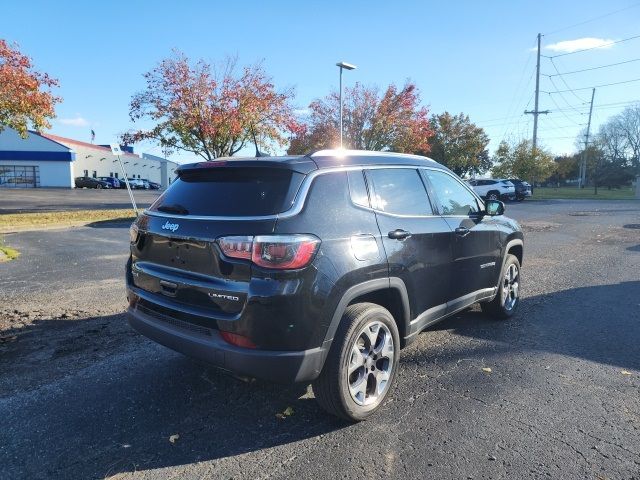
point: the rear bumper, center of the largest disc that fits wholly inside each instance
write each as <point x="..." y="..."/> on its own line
<point x="276" y="366"/>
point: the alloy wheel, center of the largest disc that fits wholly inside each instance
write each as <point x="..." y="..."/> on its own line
<point x="511" y="286"/>
<point x="370" y="363"/>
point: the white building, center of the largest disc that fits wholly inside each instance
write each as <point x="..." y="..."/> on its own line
<point x="33" y="162"/>
<point x="46" y="160"/>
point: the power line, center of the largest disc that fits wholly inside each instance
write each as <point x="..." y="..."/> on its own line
<point x="596" y="86"/>
<point x="608" y="44"/>
<point x="555" y="67"/>
<point x="602" y="105"/>
<point x="514" y="102"/>
<point x="589" y="69"/>
<point x="562" y="96"/>
<point x="561" y="111"/>
<point x="593" y="19"/>
<point x="560" y="138"/>
<point x="562" y="127"/>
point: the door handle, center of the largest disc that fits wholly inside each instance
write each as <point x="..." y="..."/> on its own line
<point x="462" y="231"/>
<point x="399" y="234"/>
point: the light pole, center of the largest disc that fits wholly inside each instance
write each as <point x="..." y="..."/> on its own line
<point x="343" y="66"/>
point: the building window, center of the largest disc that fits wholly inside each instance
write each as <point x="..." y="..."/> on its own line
<point x="116" y="174"/>
<point x="86" y="173"/>
<point x="95" y="174"/>
<point x="17" y="176"/>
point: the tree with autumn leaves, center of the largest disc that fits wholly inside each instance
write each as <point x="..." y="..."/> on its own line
<point x="26" y="100"/>
<point x="391" y="121"/>
<point x="211" y="111"/>
<point x="459" y="144"/>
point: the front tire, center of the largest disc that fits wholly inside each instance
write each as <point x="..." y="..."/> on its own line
<point x="361" y="366"/>
<point x="493" y="195"/>
<point x="506" y="301"/>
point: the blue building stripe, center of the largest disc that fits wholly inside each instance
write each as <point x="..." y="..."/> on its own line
<point x="25" y="155"/>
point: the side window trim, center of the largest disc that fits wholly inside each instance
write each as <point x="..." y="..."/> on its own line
<point x="431" y="190"/>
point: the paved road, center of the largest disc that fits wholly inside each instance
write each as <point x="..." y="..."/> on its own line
<point x="81" y="396"/>
<point x="53" y="199"/>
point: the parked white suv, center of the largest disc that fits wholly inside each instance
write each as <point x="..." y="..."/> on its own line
<point x="494" y="188"/>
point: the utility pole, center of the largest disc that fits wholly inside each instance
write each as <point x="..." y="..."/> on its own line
<point x="535" y="112"/>
<point x="583" y="169"/>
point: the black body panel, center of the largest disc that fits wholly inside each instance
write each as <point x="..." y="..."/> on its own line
<point x="184" y="292"/>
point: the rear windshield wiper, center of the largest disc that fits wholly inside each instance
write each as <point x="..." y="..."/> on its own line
<point x="176" y="208"/>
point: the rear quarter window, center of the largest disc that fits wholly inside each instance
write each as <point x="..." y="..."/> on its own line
<point x="230" y="191"/>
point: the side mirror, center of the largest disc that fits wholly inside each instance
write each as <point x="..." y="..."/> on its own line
<point x="494" y="207"/>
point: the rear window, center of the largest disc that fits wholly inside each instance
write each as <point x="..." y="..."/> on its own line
<point x="230" y="191"/>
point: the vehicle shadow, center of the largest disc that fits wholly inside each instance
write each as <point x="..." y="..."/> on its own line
<point x="598" y="323"/>
<point x="116" y="223"/>
<point x="114" y="412"/>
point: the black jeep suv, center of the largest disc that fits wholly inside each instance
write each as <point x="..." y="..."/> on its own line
<point x="317" y="268"/>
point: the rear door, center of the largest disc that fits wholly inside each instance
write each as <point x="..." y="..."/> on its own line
<point x="415" y="239"/>
<point x="175" y="257"/>
<point x="474" y="235"/>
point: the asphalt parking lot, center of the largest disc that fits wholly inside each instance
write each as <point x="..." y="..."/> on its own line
<point x="82" y="396"/>
<point x="53" y="199"/>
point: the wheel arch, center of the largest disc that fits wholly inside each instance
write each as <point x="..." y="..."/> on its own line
<point x="515" y="247"/>
<point x="389" y="293"/>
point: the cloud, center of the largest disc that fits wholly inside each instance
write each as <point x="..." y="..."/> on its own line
<point x="78" y="121"/>
<point x="302" y="112"/>
<point x="569" y="46"/>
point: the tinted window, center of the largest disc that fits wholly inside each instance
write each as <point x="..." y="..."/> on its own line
<point x="357" y="188"/>
<point x="399" y="191"/>
<point x="452" y="197"/>
<point x="230" y="191"/>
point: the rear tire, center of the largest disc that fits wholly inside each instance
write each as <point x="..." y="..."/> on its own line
<point x="98" y="186"/>
<point x="361" y="366"/>
<point x="493" y="195"/>
<point x="507" y="299"/>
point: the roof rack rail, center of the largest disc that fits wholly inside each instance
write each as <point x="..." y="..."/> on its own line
<point x="343" y="152"/>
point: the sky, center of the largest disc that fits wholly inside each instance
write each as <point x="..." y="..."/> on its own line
<point x="476" y="57"/>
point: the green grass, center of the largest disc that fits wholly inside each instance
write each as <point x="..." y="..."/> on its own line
<point x="7" y="253"/>
<point x="547" y="193"/>
<point x="11" y="222"/>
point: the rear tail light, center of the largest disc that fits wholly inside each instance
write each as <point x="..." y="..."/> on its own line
<point x="237" y="340"/>
<point x="236" y="247"/>
<point x="280" y="252"/>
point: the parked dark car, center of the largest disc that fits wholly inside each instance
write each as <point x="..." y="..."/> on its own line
<point x="317" y="268"/>
<point x="90" y="182"/>
<point x="523" y="189"/>
<point x="134" y="183"/>
<point x="114" y="182"/>
<point x="152" y="185"/>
